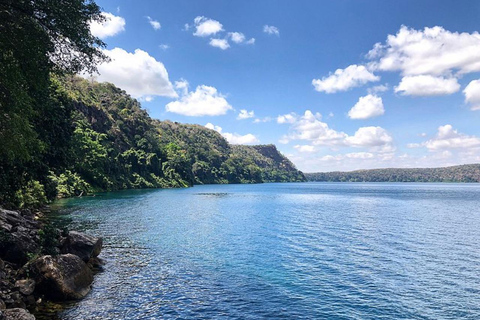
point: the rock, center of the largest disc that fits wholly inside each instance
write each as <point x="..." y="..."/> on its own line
<point x="26" y="287"/>
<point x="16" y="239"/>
<point x="2" y="305"/>
<point x="17" y="314"/>
<point x="63" y="277"/>
<point x="82" y="245"/>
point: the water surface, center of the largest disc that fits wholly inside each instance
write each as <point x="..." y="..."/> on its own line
<point x="284" y="251"/>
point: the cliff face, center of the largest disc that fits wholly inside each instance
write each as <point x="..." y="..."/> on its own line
<point x="116" y="145"/>
<point x="214" y="160"/>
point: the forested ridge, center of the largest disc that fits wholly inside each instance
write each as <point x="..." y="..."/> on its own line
<point x="100" y="139"/>
<point x="462" y="173"/>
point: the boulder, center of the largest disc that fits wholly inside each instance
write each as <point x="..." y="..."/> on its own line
<point x="16" y="239"/>
<point x="17" y="314"/>
<point x="82" y="245"/>
<point x="26" y="287"/>
<point x="63" y="277"/>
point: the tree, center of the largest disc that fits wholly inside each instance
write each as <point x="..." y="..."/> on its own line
<point x="37" y="38"/>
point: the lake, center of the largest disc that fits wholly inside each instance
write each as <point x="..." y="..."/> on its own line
<point x="283" y="251"/>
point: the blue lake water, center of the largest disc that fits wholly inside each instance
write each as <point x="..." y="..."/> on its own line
<point x="284" y="251"/>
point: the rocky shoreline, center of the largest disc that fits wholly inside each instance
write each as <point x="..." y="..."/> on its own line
<point x="39" y="263"/>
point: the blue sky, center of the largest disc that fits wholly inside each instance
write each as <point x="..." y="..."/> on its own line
<point x="336" y="85"/>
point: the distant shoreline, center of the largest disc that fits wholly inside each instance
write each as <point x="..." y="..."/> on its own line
<point x="469" y="173"/>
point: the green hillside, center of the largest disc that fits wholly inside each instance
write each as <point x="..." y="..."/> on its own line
<point x="463" y="173"/>
<point x="100" y="139"/>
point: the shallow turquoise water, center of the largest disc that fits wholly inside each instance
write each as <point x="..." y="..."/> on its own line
<point x="284" y="251"/>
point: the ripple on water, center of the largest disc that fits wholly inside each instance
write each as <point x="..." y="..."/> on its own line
<point x="283" y="251"/>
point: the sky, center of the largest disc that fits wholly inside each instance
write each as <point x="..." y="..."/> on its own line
<point x="335" y="85"/>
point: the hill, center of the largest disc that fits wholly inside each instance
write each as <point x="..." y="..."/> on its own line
<point x="97" y="138"/>
<point x="462" y="173"/>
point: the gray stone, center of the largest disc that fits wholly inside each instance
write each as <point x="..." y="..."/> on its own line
<point x="82" y="245"/>
<point x="26" y="287"/>
<point x="63" y="277"/>
<point x="17" y="314"/>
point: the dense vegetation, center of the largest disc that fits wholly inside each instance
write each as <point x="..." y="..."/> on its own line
<point x="60" y="135"/>
<point x="101" y="139"/>
<point x="213" y="160"/>
<point x="463" y="173"/>
<point x="38" y="40"/>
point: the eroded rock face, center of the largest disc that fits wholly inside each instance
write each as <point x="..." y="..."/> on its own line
<point x="18" y="236"/>
<point x="17" y="314"/>
<point x="82" y="245"/>
<point x="63" y="277"/>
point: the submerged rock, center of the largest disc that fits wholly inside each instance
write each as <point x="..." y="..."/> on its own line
<point x="63" y="277"/>
<point x="17" y="314"/>
<point x="82" y="245"/>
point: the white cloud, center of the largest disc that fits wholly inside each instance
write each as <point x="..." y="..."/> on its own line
<point x="305" y="148"/>
<point x="426" y="85"/>
<point x="251" y="41"/>
<point x="164" y="46"/>
<point x="378" y="89"/>
<point x="359" y="155"/>
<point x="309" y="127"/>
<point x="344" y="79"/>
<point x="244" y="114"/>
<point x="472" y="94"/>
<point x="138" y="73"/>
<point x="206" y="27"/>
<point x="234" y="138"/>
<point x="367" y="107"/>
<point x="262" y="120"/>
<point x="370" y="137"/>
<point x="449" y="138"/>
<point x="237" y="37"/>
<point x="182" y="85"/>
<point x="155" y="24"/>
<point x="414" y="145"/>
<point x="111" y="26"/>
<point x="431" y="51"/>
<point x="287" y="118"/>
<point x="271" y="30"/>
<point x="220" y="43"/>
<point x="204" y="101"/>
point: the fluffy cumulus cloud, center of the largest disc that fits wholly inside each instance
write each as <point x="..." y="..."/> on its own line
<point x="237" y="37"/>
<point x="448" y="138"/>
<point x="287" y="118"/>
<point x="204" y="101"/>
<point x="378" y="89"/>
<point x="431" y="51"/>
<point x="271" y="30"/>
<point x="220" y="43"/>
<point x="472" y="94"/>
<point x="244" y="114"/>
<point x="344" y="79"/>
<point x="370" y="137"/>
<point x="305" y="148"/>
<point x="367" y="107"/>
<point x="310" y="127"/>
<point x="205" y="27"/>
<point x="234" y="138"/>
<point x="154" y="23"/>
<point x="111" y="26"/>
<point x="427" y="85"/>
<point x="138" y="73"/>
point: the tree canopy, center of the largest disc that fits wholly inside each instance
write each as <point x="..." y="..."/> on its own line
<point x="38" y="38"/>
